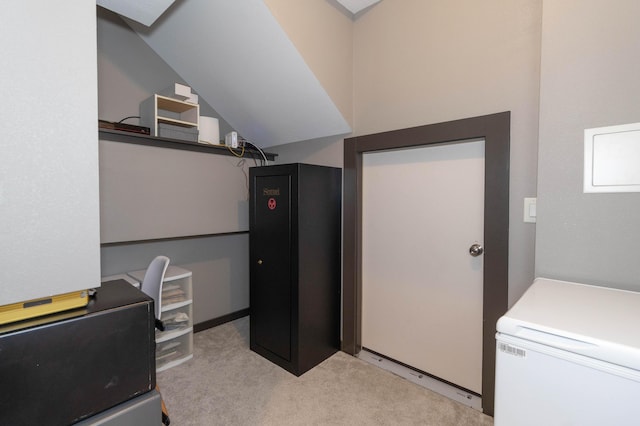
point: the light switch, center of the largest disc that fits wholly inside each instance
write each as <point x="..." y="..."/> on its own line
<point x="530" y="212"/>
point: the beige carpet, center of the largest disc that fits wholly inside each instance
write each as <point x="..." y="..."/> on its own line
<point x="227" y="384"/>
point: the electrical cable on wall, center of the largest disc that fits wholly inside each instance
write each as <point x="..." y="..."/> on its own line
<point x="131" y="116"/>
<point x="246" y="142"/>
<point x="241" y="164"/>
<point x="255" y="159"/>
<point x="243" y="143"/>
<point x="236" y="154"/>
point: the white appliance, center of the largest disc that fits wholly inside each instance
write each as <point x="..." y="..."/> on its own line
<point x="569" y="354"/>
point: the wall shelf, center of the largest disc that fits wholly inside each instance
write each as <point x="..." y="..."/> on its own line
<point x="186" y="237"/>
<point x="134" y="138"/>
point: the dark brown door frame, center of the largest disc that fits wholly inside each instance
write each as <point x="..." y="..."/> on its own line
<point x="495" y="130"/>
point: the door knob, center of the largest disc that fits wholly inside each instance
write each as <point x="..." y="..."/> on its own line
<point x="259" y="261"/>
<point x="476" y="250"/>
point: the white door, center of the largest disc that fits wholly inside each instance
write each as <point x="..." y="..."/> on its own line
<point x="423" y="208"/>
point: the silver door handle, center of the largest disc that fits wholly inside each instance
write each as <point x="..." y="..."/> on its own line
<point x="476" y="250"/>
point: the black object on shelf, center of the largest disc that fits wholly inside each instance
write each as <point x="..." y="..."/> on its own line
<point x="63" y="368"/>
<point x="123" y="127"/>
<point x="294" y="238"/>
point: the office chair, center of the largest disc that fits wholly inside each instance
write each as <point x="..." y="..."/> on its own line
<point x="152" y="285"/>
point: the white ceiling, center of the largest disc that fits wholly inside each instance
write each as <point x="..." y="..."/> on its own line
<point x="235" y="55"/>
<point x="355" y="6"/>
<point x="144" y="11"/>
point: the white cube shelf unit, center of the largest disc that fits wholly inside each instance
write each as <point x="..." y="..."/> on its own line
<point x="159" y="109"/>
<point x="174" y="345"/>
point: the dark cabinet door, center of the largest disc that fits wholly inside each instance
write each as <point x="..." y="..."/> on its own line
<point x="294" y="244"/>
<point x="271" y="280"/>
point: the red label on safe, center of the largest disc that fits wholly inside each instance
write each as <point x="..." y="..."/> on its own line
<point x="271" y="203"/>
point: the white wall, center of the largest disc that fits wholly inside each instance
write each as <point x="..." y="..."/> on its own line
<point x="590" y="69"/>
<point x="418" y="62"/>
<point x="49" y="228"/>
<point x="322" y="32"/>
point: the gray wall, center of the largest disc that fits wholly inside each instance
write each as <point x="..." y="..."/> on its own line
<point x="128" y="72"/>
<point x="219" y="265"/>
<point x="325" y="152"/>
<point x="49" y="229"/>
<point x="590" y="69"/>
<point x="150" y="192"/>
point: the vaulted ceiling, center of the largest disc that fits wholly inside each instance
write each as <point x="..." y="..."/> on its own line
<point x="235" y="55"/>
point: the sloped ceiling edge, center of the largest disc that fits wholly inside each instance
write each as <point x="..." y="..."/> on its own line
<point x="144" y="11"/>
<point x="235" y="55"/>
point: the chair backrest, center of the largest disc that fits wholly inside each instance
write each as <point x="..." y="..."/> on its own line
<point x="152" y="281"/>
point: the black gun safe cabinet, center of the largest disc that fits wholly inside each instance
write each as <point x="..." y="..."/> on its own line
<point x="294" y="240"/>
